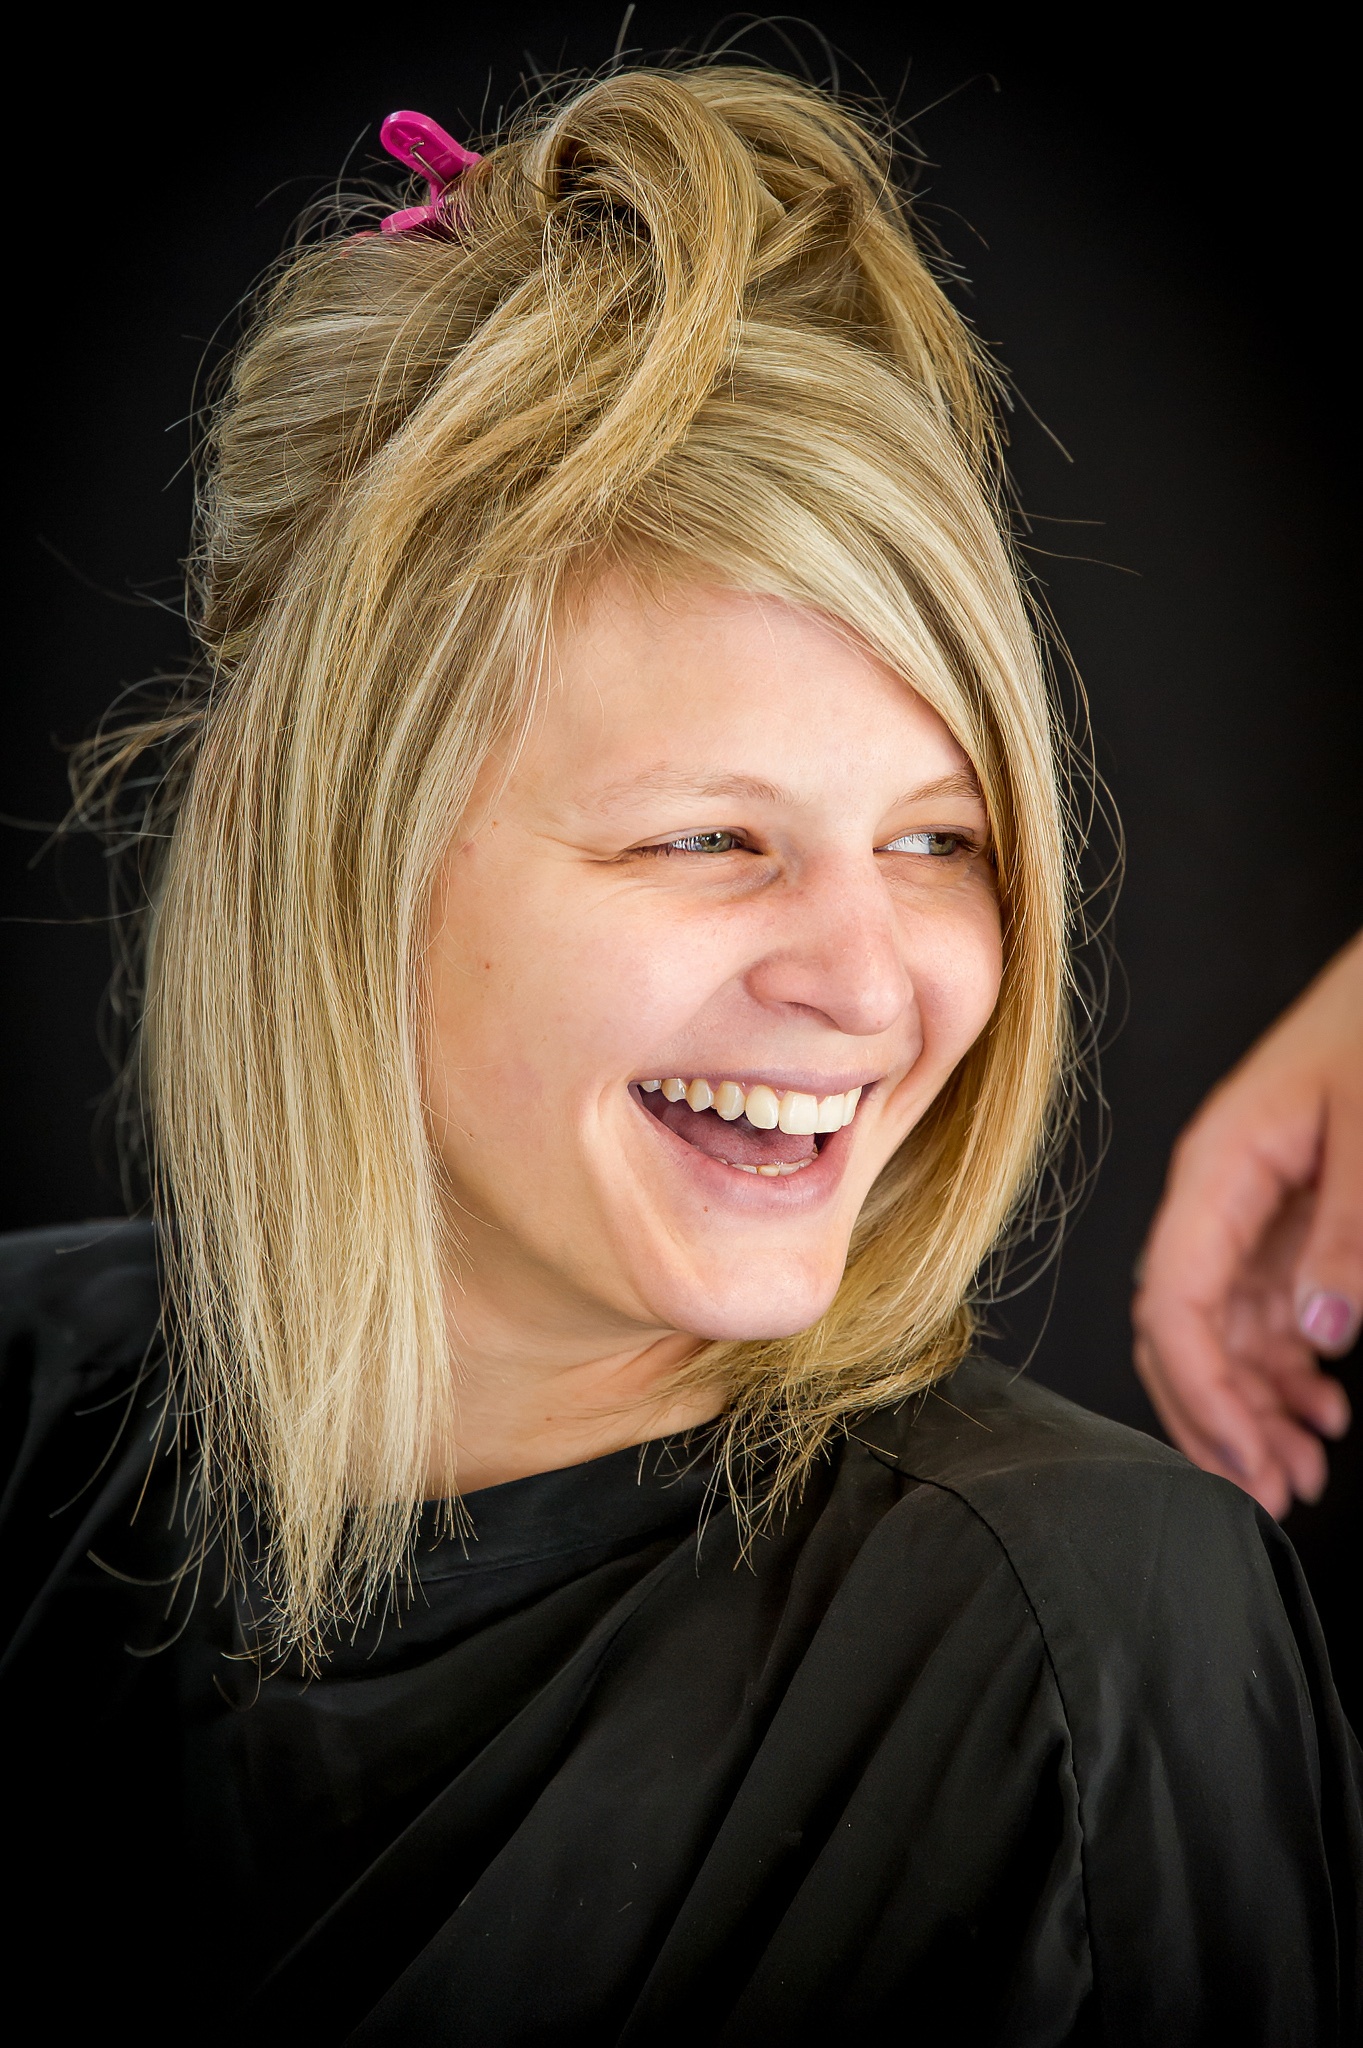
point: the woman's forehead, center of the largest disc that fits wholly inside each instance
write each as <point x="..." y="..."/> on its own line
<point x="722" y="686"/>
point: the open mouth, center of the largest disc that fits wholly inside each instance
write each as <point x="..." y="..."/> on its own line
<point x="759" y="1129"/>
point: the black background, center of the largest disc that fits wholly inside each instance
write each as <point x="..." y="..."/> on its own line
<point x="1155" y="229"/>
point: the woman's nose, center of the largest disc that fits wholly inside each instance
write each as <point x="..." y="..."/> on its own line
<point x="835" y="946"/>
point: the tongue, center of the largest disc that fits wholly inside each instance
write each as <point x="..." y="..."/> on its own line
<point x="740" y="1142"/>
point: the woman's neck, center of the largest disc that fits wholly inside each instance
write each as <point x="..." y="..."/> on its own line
<point x="536" y="1399"/>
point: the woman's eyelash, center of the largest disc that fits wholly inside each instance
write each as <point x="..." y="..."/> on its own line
<point x="938" y="845"/>
<point x="698" y="842"/>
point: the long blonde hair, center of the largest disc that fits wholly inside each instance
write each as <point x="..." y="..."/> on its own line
<point x="677" y="321"/>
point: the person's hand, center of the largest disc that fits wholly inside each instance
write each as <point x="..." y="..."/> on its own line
<point x="1253" y="1269"/>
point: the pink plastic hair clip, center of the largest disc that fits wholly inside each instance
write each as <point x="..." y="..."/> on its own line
<point x="422" y="144"/>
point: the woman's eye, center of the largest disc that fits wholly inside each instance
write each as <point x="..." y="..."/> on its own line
<point x="937" y="843"/>
<point x="699" y="842"/>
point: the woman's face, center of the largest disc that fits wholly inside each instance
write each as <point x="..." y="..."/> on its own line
<point x="736" y="855"/>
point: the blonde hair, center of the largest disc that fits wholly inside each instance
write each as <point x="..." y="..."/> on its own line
<point x="678" y="322"/>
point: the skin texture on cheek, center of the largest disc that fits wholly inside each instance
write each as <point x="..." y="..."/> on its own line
<point x="687" y="874"/>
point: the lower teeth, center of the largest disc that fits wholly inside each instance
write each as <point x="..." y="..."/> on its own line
<point x="771" y="1172"/>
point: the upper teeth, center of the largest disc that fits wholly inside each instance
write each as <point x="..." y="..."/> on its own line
<point x="762" y="1106"/>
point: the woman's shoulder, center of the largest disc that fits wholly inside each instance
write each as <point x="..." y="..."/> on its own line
<point x="84" y="1288"/>
<point x="1163" y="1595"/>
<point x="83" y="1400"/>
<point x="1035" y="1465"/>
<point x="1132" y="1560"/>
<point x="1211" y="1759"/>
<point x="79" y="1317"/>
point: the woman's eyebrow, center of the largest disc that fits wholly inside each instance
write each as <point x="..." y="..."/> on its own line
<point x="669" y="783"/>
<point x="963" y="782"/>
<point x="666" y="782"/>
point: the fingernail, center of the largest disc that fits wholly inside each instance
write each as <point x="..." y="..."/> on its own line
<point x="1233" y="1459"/>
<point x="1337" y="1418"/>
<point x="1326" y="1321"/>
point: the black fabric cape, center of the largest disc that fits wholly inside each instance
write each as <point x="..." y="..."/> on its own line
<point x="1017" y="1729"/>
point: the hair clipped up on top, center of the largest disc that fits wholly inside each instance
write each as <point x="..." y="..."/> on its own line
<point x="606" y="259"/>
<point x="676" y="322"/>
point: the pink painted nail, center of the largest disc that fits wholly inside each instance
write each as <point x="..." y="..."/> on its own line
<point x="1327" y="1321"/>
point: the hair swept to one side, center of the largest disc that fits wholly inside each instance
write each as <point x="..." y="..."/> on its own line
<point x="676" y="320"/>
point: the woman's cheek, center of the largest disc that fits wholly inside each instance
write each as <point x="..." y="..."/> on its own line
<point x="542" y="994"/>
<point x="640" y="972"/>
<point x="957" y="968"/>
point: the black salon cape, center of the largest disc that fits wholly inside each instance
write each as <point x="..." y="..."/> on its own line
<point x="1017" y="1730"/>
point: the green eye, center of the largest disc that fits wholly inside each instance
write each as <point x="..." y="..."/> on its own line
<point x="938" y="844"/>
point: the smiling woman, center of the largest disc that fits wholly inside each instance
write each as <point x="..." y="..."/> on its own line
<point x="661" y="455"/>
<point x="659" y="950"/>
<point x="606" y="995"/>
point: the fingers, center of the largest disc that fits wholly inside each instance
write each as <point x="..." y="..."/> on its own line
<point x="1299" y="1456"/>
<point x="1329" y="1280"/>
<point x="1239" y="1421"/>
<point x="1251" y="1413"/>
<point x="1262" y="1474"/>
<point x="1221" y="1199"/>
<point x="1254" y="1264"/>
<point x="1316" y="1398"/>
<point x="1278" y="1369"/>
<point x="1254" y="1416"/>
<point x="1194" y="1389"/>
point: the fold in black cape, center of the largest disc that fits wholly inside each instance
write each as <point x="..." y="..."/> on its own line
<point x="1017" y="1729"/>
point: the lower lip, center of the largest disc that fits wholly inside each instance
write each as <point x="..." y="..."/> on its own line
<point x="786" y="1193"/>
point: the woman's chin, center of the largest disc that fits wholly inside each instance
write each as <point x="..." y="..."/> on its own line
<point x="750" y="1308"/>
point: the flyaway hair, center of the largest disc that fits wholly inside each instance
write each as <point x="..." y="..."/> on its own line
<point x="676" y="323"/>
